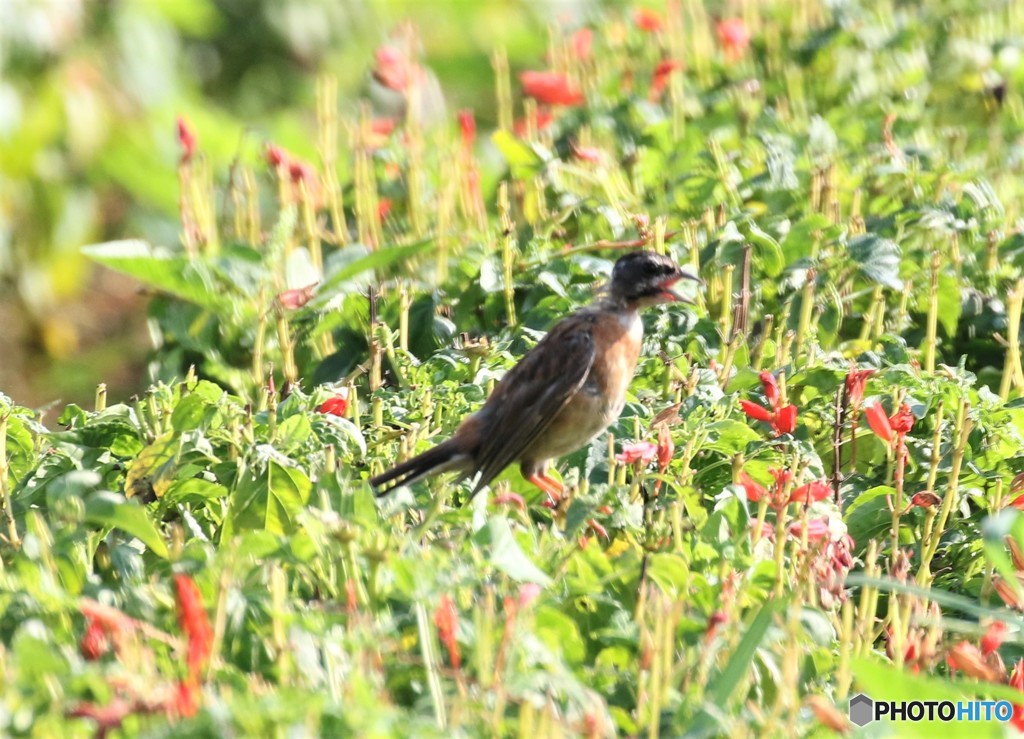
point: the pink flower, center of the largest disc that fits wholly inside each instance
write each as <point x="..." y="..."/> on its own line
<point x="641" y="451"/>
<point x="392" y="69"/>
<point x="528" y="593"/>
<point x="550" y="88"/>
<point x="587" y="154"/>
<point x="817" y="529"/>
<point x="582" y="42"/>
<point x="666" y="447"/>
<point x="186" y="139"/>
<point x="296" y="298"/>
<point x="734" y="37"/>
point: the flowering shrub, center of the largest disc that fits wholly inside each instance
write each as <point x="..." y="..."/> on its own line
<point x="738" y="555"/>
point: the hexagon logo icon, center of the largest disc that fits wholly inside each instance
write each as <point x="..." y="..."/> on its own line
<point x="862" y="710"/>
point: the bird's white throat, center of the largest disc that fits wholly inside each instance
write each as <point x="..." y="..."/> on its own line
<point x="631" y="321"/>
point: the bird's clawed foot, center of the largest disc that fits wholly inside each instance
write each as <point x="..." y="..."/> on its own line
<point x="549" y="485"/>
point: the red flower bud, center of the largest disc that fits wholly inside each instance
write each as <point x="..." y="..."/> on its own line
<point x="647" y="20"/>
<point x="186" y="139"/>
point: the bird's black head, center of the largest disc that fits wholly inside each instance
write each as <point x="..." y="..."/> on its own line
<point x="646" y="278"/>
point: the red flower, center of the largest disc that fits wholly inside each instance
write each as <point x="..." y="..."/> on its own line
<point x="94" y="642"/>
<point x="659" y="81"/>
<point x="1018" y="503"/>
<point x="186" y="139"/>
<point x="383" y="126"/>
<point x="925" y="499"/>
<point x="446" y="619"/>
<point x="582" y="42"/>
<point x="734" y="37"/>
<point x="300" y="171"/>
<point x="856" y="381"/>
<point x="993" y="637"/>
<point x="467" y="128"/>
<point x="1017" y="676"/>
<point x="551" y="88"/>
<point x="194" y="624"/>
<point x="383" y="208"/>
<point x="889" y="428"/>
<point x="902" y="420"/>
<point x="755" y="491"/>
<point x="275" y="156"/>
<point x="785" y="420"/>
<point x="782" y="418"/>
<point x="647" y="20"/>
<point x="813" y="491"/>
<point x="544" y="119"/>
<point x="336" y="405"/>
<point x="184" y="702"/>
<point x="966" y="657"/>
<point x="755" y="411"/>
<point x="717" y="619"/>
<point x="641" y="451"/>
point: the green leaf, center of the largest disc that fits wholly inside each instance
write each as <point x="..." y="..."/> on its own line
<point x="730" y="437"/>
<point x="269" y="499"/>
<point x="949" y="303"/>
<point x="191" y="280"/>
<point x="877" y="259"/>
<point x="385" y="257"/>
<point x="523" y="160"/>
<point x="110" y="509"/>
<point x="505" y="554"/>
<point x="767" y="253"/>
<point x="722" y="687"/>
<point x="799" y="242"/>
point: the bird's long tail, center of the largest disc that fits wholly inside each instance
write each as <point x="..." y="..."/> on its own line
<point x="445" y="456"/>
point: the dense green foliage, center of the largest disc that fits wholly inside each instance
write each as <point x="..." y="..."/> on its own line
<point x="813" y="490"/>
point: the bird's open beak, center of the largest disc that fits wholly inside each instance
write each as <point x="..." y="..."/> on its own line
<point x="672" y="295"/>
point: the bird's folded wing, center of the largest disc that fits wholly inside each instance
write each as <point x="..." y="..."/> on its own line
<point x="529" y="397"/>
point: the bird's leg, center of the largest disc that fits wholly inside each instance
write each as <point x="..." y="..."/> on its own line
<point x="549" y="485"/>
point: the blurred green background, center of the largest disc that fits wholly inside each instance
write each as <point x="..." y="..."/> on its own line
<point x="89" y="94"/>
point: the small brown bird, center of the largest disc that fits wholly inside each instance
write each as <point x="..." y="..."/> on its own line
<point x="562" y="393"/>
